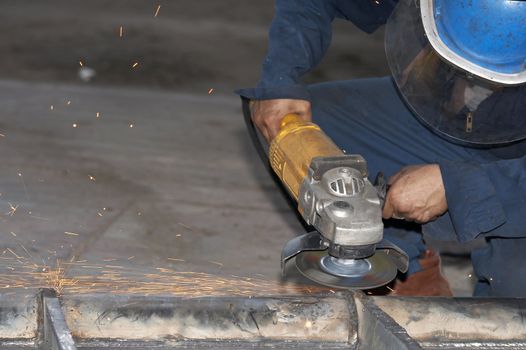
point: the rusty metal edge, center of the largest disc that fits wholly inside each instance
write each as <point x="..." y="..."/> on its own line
<point x="375" y="325"/>
<point x="202" y="344"/>
<point x="485" y="345"/>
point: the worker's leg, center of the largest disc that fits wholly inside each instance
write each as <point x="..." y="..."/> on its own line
<point x="500" y="268"/>
<point x="368" y="117"/>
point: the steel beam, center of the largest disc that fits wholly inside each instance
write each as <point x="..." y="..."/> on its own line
<point x="55" y="334"/>
<point x="336" y="321"/>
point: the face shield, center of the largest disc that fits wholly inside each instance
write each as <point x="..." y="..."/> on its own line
<point x="454" y="103"/>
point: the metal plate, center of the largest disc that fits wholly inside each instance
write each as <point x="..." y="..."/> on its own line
<point x="372" y="272"/>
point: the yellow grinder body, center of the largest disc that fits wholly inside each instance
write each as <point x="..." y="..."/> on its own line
<point x="292" y="150"/>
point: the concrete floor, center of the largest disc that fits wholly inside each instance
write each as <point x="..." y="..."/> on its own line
<point x="182" y="183"/>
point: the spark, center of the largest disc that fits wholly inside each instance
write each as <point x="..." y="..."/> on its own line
<point x="24" y="185"/>
<point x="68" y="102"/>
<point x="75" y="125"/>
<point x="308" y="324"/>
<point x="81" y="64"/>
<point x="2" y="135"/>
<point x="12" y="233"/>
<point x="131" y="257"/>
<point x="121" y="31"/>
<point x="216" y="263"/>
<point x="131" y="125"/>
<point x="52" y="107"/>
<point x="92" y="178"/>
<point x="391" y="289"/>
<point x="174" y="259"/>
<point x="185" y="226"/>
<point x="99" y="214"/>
<point x="97" y="114"/>
<point x="135" y="65"/>
<point x="71" y="233"/>
<point x="16" y="255"/>
<point x="210" y="91"/>
<point x="39" y="218"/>
<point x="12" y="209"/>
<point x="157" y="11"/>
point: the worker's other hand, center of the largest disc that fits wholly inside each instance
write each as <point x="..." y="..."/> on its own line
<point x="267" y="114"/>
<point x="416" y="194"/>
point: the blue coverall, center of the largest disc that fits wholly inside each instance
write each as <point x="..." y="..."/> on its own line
<point x="485" y="188"/>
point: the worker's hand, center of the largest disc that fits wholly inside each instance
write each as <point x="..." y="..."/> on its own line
<point x="267" y="114"/>
<point x="416" y="194"/>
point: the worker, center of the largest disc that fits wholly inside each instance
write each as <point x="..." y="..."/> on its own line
<point x="447" y="127"/>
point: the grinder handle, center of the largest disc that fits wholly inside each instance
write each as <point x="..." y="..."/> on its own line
<point x="291" y="152"/>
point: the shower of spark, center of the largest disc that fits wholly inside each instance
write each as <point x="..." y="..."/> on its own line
<point x="21" y="271"/>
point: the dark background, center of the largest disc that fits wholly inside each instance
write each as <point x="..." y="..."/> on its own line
<point x="190" y="46"/>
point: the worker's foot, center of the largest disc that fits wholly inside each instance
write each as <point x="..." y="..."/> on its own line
<point x="428" y="282"/>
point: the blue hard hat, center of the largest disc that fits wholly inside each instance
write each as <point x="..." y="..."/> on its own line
<point x="486" y="38"/>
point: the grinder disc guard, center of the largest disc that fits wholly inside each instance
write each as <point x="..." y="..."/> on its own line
<point x="374" y="271"/>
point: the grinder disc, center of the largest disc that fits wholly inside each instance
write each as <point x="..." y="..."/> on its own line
<point x="374" y="271"/>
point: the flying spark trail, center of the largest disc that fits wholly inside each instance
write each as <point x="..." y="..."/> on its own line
<point x="82" y="277"/>
<point x="121" y="31"/>
<point x="24" y="185"/>
<point x="157" y="11"/>
<point x="216" y="263"/>
<point x="12" y="209"/>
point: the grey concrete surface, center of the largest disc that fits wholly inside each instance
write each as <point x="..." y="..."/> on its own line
<point x="182" y="183"/>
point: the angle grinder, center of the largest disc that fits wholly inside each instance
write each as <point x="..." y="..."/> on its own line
<point x="345" y="248"/>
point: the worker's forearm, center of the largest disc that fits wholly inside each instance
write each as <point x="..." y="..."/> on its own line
<point x="299" y="36"/>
